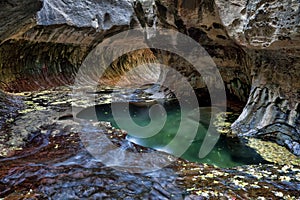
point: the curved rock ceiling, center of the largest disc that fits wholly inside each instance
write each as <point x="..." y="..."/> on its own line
<point x="255" y="45"/>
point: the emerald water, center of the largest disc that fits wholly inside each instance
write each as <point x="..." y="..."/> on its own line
<point x="226" y="153"/>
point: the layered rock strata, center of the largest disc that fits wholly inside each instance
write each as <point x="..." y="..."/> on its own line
<point x="255" y="45"/>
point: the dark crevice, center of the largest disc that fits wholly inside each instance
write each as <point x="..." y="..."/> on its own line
<point x="139" y="11"/>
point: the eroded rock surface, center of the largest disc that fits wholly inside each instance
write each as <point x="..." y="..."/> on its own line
<point x="101" y="15"/>
<point x="17" y="16"/>
<point x="8" y="108"/>
<point x="253" y="43"/>
<point x="261" y="23"/>
<point x="56" y="40"/>
<point x="53" y="163"/>
<point x="269" y="32"/>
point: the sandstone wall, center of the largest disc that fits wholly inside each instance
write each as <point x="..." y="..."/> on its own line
<point x="255" y="45"/>
<point x="269" y="32"/>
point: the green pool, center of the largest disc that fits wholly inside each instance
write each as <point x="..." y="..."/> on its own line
<point x="226" y="153"/>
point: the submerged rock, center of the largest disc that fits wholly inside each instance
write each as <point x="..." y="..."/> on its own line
<point x="52" y="49"/>
<point x="55" y="164"/>
<point x="255" y="44"/>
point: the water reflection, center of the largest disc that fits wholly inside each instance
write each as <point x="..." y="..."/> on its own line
<point x="224" y="154"/>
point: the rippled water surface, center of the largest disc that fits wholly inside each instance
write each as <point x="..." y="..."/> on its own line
<point x="221" y="155"/>
<point x="53" y="162"/>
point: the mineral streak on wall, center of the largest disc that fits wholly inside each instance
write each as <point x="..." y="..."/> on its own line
<point x="255" y="45"/>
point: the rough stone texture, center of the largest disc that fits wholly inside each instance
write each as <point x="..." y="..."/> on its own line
<point x="269" y="33"/>
<point x="37" y="65"/>
<point x="252" y="43"/>
<point x="8" y="107"/>
<point x="54" y="164"/>
<point x="101" y="15"/>
<point x="69" y="44"/>
<point x="16" y="15"/>
<point x="261" y="23"/>
<point x="200" y="21"/>
<point x="51" y="49"/>
<point x="272" y="110"/>
<point x="47" y="56"/>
